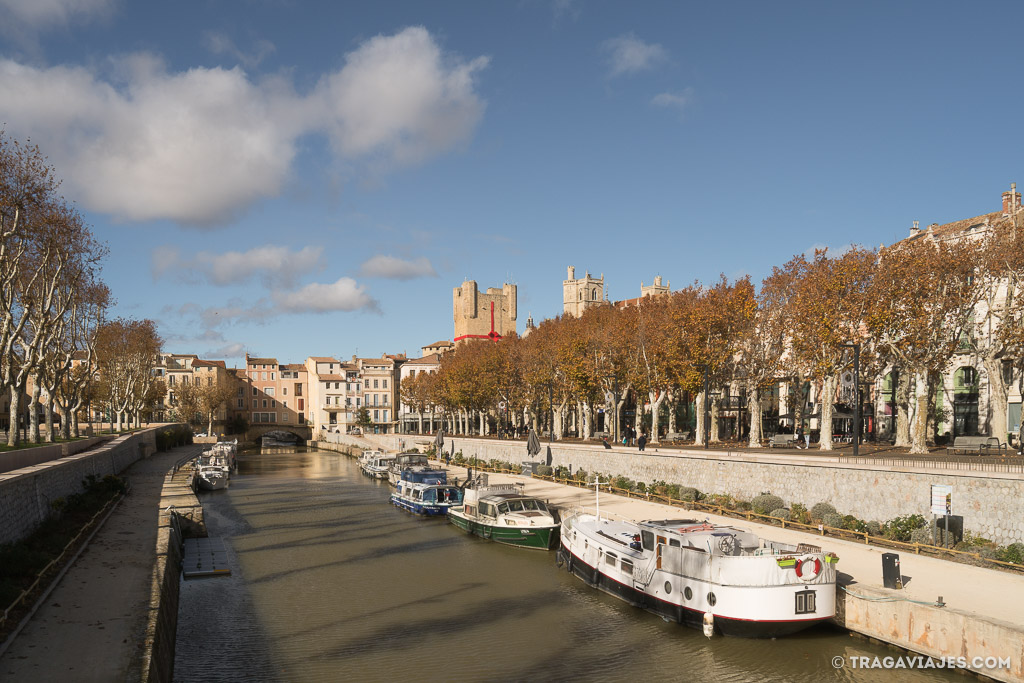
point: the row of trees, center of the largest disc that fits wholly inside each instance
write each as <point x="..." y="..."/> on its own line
<point x="54" y="335"/>
<point x="910" y="308"/>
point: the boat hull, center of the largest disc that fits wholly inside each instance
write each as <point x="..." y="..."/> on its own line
<point x="693" y="618"/>
<point x="426" y="509"/>
<point x="539" y="537"/>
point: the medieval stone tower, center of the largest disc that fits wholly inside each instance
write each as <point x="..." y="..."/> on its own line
<point x="579" y="295"/>
<point x="490" y="315"/>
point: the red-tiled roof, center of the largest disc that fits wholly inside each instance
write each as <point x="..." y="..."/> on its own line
<point x="330" y="378"/>
<point x="293" y="366"/>
<point x="431" y="359"/>
<point x="261" y="361"/>
<point x="324" y="359"/>
<point x="443" y="342"/>
<point x="209" y="363"/>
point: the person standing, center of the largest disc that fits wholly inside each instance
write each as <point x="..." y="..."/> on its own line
<point x="642" y="441"/>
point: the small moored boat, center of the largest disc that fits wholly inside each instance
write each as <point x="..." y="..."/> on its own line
<point x="377" y="466"/>
<point x="404" y="461"/>
<point x="426" y="492"/>
<point x="503" y="513"/>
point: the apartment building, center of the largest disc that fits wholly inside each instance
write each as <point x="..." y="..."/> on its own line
<point x="409" y="417"/>
<point x="329" y="394"/>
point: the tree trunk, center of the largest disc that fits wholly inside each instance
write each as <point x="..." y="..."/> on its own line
<point x="903" y="409"/>
<point x="920" y="430"/>
<point x="698" y="438"/>
<point x="714" y="422"/>
<point x="997" y="399"/>
<point x="12" y="431"/>
<point x="754" y="409"/>
<point x="827" y="398"/>
<point x="672" y="403"/>
<point x="655" y="409"/>
<point x="33" y="412"/>
<point x="48" y="407"/>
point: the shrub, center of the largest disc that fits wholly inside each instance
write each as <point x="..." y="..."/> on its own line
<point x="580" y="475"/>
<point x="923" y="535"/>
<point x="689" y="493"/>
<point x="833" y="520"/>
<point x="874" y="528"/>
<point x="819" y="510"/>
<point x="623" y="483"/>
<point x="1012" y="553"/>
<point x="545" y="470"/>
<point x="672" y="491"/>
<point x="899" y="528"/>
<point x="741" y="505"/>
<point x="799" y="513"/>
<point x="853" y="524"/>
<point x="781" y="513"/>
<point x="766" y="502"/>
<point x="641" y="487"/>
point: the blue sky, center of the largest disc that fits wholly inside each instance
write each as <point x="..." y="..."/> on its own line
<point x="313" y="178"/>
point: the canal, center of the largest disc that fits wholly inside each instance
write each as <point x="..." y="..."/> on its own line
<point x="330" y="582"/>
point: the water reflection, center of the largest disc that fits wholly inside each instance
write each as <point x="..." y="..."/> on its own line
<point x="331" y="582"/>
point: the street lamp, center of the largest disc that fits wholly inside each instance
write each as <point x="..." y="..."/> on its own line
<point x="856" y="396"/>
<point x="615" y="407"/>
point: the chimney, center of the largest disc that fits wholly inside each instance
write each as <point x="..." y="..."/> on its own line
<point x="1011" y="200"/>
<point x="916" y="230"/>
<point x="572" y="273"/>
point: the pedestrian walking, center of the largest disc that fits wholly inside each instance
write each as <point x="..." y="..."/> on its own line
<point x="799" y="436"/>
<point x="642" y="441"/>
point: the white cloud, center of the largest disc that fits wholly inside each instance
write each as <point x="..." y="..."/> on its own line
<point x="396" y="98"/>
<point x="272" y="265"/>
<point x="342" y="295"/>
<point x="42" y="13"/>
<point x="396" y="268"/>
<point x="142" y="143"/>
<point x="628" y="54"/>
<point x="221" y="44"/>
<point x="677" y="100"/>
<point x="231" y="350"/>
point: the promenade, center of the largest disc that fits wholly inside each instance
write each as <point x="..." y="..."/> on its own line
<point x="93" y="626"/>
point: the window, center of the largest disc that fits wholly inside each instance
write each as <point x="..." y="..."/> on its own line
<point x="272" y="377"/>
<point x="375" y="398"/>
<point x="298" y="390"/>
<point x="264" y="403"/>
<point x="385" y="415"/>
<point x="385" y="399"/>
<point x="264" y="375"/>
<point x="376" y="415"/>
<point x="255" y="403"/>
<point x="366" y="385"/>
<point x="357" y="401"/>
<point x="301" y="405"/>
<point x="241" y="391"/>
<point x="170" y="380"/>
<point x="626" y="567"/>
<point x="348" y="401"/>
<point x="284" y="391"/>
<point x="241" y="403"/>
<point x="273" y="404"/>
<point x="209" y="381"/>
<point x="611" y="559"/>
<point x="269" y="391"/>
<point x="255" y="391"/>
<point x="805" y="602"/>
<point x="375" y="385"/>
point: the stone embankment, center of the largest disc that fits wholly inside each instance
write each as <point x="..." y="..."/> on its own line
<point x="977" y="621"/>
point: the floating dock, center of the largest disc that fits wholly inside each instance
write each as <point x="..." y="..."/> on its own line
<point x="205" y="557"/>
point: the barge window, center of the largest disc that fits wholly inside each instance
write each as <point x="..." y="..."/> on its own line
<point x="648" y="539"/>
<point x="627" y="567"/>
<point x="515" y="505"/>
<point x="503" y="508"/>
<point x="805" y="602"/>
<point x="674" y="542"/>
<point x="610" y="558"/>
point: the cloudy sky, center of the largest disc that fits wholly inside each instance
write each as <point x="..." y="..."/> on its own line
<point x="296" y="178"/>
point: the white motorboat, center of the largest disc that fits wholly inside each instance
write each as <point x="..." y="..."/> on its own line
<point x="404" y="461"/>
<point x="377" y="466"/>
<point x="705" y="575"/>
<point x="212" y="477"/>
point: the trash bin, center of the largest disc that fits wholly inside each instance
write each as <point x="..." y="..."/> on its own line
<point x="891" y="577"/>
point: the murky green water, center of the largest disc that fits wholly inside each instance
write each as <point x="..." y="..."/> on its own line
<point x="332" y="583"/>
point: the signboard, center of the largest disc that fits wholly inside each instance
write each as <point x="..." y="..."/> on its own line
<point x="942" y="499"/>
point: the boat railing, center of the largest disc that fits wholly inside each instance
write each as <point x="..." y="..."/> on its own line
<point x="569" y="512"/>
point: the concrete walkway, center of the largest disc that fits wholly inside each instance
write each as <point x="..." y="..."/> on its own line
<point x="92" y="626"/>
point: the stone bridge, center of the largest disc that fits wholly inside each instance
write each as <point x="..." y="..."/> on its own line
<point x="303" y="432"/>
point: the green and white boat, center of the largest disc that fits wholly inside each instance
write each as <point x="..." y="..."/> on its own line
<point x="503" y="513"/>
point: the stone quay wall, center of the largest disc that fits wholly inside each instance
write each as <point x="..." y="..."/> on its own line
<point x="27" y="494"/>
<point x="991" y="503"/>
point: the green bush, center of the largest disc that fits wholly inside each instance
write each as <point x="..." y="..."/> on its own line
<point x="689" y="493"/>
<point x="874" y="528"/>
<point x="853" y="524"/>
<point x="900" y="528"/>
<point x="833" y="519"/>
<point x="799" y="513"/>
<point x="819" y="511"/>
<point x="623" y="483"/>
<point x="781" y="513"/>
<point x="641" y="487"/>
<point x="545" y="470"/>
<point x="765" y="503"/>
<point x="1012" y="553"/>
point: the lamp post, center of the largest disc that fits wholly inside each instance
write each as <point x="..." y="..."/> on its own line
<point x="615" y="407"/>
<point x="856" y="397"/>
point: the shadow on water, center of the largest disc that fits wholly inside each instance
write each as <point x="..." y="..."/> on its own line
<point x="331" y="582"/>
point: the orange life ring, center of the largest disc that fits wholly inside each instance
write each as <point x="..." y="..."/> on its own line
<point x="813" y="573"/>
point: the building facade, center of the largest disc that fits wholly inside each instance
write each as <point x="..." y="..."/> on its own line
<point x="579" y="294"/>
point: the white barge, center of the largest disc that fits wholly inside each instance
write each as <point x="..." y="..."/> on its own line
<point x="704" y="575"/>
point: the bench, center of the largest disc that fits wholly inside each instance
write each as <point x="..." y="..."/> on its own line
<point x="782" y="441"/>
<point x="676" y="437"/>
<point x="977" y="445"/>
